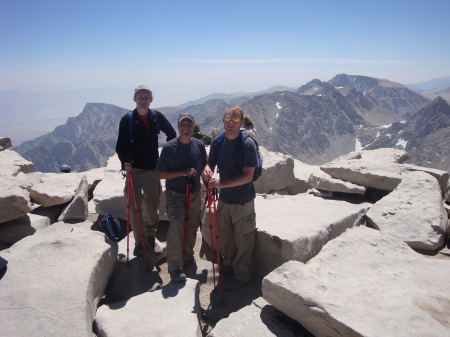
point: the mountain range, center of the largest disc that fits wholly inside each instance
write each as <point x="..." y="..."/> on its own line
<point x="236" y="98"/>
<point x="435" y="84"/>
<point x="315" y="123"/>
<point x="425" y="136"/>
<point x="83" y="143"/>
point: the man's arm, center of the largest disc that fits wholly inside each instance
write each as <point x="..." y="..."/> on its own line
<point x="164" y="167"/>
<point x="123" y="141"/>
<point x="166" y="127"/>
<point x="189" y="172"/>
<point x="244" y="178"/>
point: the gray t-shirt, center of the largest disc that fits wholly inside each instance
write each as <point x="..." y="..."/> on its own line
<point x="177" y="156"/>
<point x="231" y="158"/>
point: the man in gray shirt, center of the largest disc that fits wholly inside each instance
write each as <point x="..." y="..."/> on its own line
<point x="236" y="160"/>
<point x="181" y="163"/>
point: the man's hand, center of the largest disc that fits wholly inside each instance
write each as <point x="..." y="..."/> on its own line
<point x="189" y="172"/>
<point x="207" y="174"/>
<point x="127" y="167"/>
<point x="214" y="183"/>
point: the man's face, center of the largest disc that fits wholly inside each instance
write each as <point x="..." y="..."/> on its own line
<point x="186" y="127"/>
<point x="232" y="123"/>
<point x="143" y="99"/>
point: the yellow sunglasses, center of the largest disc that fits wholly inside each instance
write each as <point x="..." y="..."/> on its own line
<point x="229" y="119"/>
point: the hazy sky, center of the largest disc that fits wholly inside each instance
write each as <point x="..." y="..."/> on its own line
<point x="188" y="49"/>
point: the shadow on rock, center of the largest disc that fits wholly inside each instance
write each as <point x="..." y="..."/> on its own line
<point x="277" y="323"/>
<point x="223" y="302"/>
<point x="196" y="272"/>
<point x="171" y="289"/>
<point x="130" y="279"/>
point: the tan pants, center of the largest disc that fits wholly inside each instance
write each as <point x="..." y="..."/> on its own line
<point x="175" y="234"/>
<point x="147" y="188"/>
<point x="237" y="224"/>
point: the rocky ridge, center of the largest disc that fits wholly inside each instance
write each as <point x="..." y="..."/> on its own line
<point x="83" y="143"/>
<point x="330" y="260"/>
<point x="424" y="136"/>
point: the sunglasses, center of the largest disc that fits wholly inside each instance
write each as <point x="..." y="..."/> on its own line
<point x="229" y="119"/>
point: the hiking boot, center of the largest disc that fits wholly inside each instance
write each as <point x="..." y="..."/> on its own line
<point x="138" y="250"/>
<point x="233" y="284"/>
<point x="177" y="276"/>
<point x="155" y="249"/>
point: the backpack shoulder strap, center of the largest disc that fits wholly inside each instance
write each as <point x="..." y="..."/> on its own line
<point x="258" y="169"/>
<point x="220" y="139"/>
<point x="130" y="118"/>
<point x="217" y="142"/>
<point x="244" y="136"/>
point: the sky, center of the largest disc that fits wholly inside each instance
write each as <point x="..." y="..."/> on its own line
<point x="188" y="49"/>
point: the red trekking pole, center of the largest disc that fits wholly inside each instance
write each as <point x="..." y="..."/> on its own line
<point x="130" y="184"/>
<point x="128" y="219"/>
<point x="208" y="194"/>
<point x="212" y="198"/>
<point x="187" y="210"/>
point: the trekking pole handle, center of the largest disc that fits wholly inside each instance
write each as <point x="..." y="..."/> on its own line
<point x="189" y="180"/>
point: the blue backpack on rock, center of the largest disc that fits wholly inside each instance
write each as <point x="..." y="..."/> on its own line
<point x="111" y="227"/>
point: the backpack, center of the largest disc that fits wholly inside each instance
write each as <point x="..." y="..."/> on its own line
<point x="258" y="169"/>
<point x="111" y="227"/>
<point x="130" y="117"/>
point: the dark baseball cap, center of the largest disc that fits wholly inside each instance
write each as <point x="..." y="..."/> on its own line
<point x="186" y="116"/>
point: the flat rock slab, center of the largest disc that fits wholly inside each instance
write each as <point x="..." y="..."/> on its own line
<point x="323" y="181"/>
<point x="35" y="178"/>
<point x="171" y="311"/>
<point x="55" y="280"/>
<point x="257" y="319"/>
<point x="14" y="200"/>
<point x="379" y="174"/>
<point x="441" y="176"/>
<point x="55" y="189"/>
<point x="13" y="163"/>
<point x="364" y="283"/>
<point x="302" y="172"/>
<point x="384" y="154"/>
<point x="413" y="212"/>
<point x="297" y="227"/>
<point x="108" y="195"/>
<point x="277" y="174"/>
<point x="15" y="230"/>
